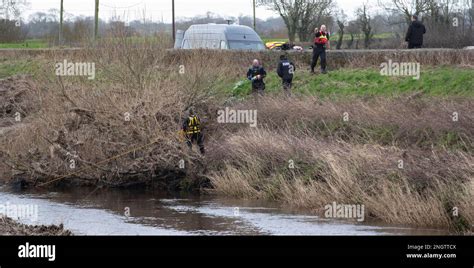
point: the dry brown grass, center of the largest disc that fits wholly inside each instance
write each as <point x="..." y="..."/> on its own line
<point x="420" y="194"/>
<point x="11" y="227"/>
<point x="349" y="163"/>
<point x="402" y="121"/>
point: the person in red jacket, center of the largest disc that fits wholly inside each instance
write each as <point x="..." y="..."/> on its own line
<point x="321" y="43"/>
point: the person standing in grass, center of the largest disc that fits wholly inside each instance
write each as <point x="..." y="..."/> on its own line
<point x="415" y="33"/>
<point x="321" y="43"/>
<point x="285" y="71"/>
<point x="257" y="74"/>
<point x="192" y="130"/>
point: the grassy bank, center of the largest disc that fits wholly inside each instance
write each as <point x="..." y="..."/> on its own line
<point x="434" y="81"/>
<point x="352" y="136"/>
<point x="10" y="67"/>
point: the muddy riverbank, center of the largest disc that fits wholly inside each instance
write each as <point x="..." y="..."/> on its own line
<point x="9" y="226"/>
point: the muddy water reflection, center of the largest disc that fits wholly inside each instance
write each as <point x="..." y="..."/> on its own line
<point x="142" y="212"/>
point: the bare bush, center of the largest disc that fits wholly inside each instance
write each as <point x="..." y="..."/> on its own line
<point x="119" y="129"/>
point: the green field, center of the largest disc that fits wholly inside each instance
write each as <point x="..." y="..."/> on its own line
<point x="347" y="36"/>
<point x="28" y="44"/>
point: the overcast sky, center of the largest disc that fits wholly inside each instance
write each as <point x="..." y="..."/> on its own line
<point x="161" y="9"/>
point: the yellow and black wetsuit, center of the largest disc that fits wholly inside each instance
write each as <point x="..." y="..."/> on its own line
<point x="192" y="128"/>
<point x="193" y="125"/>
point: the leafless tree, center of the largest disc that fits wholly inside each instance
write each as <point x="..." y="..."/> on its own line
<point x="300" y="16"/>
<point x="341" y="20"/>
<point x="365" y="21"/>
<point x="353" y="29"/>
<point x="407" y="7"/>
<point x="11" y="28"/>
<point x="12" y="9"/>
<point x="313" y="14"/>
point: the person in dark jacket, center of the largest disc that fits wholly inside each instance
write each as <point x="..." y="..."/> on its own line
<point x="415" y="33"/>
<point x="257" y="74"/>
<point x="321" y="42"/>
<point x="285" y="71"/>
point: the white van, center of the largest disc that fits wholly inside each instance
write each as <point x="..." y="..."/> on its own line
<point x="219" y="36"/>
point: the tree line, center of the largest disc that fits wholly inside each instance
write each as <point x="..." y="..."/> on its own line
<point x="375" y="24"/>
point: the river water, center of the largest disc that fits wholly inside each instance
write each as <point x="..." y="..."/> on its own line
<point x="145" y="212"/>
